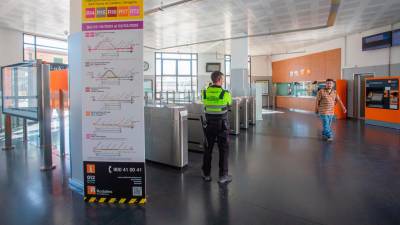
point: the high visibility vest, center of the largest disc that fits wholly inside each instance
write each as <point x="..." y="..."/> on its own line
<point x="216" y="100"/>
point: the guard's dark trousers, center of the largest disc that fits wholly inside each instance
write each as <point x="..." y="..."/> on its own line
<point x="217" y="130"/>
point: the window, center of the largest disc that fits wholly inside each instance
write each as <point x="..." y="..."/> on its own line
<point x="176" y="72"/>
<point x="46" y="49"/>
<point x="228" y="71"/>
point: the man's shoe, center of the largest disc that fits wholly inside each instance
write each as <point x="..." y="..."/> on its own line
<point x="225" y="179"/>
<point x="330" y="139"/>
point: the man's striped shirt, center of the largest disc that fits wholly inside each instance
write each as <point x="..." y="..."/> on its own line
<point x="327" y="99"/>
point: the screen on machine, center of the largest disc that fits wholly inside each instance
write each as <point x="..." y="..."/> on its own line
<point x="382" y="94"/>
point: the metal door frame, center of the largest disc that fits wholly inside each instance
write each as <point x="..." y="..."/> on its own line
<point x="357" y="93"/>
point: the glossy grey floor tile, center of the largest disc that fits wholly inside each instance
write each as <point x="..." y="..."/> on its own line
<point x="283" y="174"/>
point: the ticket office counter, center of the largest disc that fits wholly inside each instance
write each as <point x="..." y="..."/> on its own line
<point x="382" y="101"/>
<point x="302" y="95"/>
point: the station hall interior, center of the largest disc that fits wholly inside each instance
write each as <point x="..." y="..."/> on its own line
<point x="108" y="109"/>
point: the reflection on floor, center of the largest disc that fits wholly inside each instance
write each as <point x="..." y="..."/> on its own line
<point x="283" y="174"/>
<point x="269" y="111"/>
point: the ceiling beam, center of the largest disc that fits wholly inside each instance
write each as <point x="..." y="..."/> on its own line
<point x="163" y="7"/>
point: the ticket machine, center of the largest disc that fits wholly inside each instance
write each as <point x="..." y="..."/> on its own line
<point x="382" y="101"/>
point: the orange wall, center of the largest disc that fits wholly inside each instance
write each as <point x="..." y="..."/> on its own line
<point x="318" y="66"/>
<point x="341" y="89"/>
<point x="58" y="81"/>
<point x="307" y="104"/>
<point x="385" y="115"/>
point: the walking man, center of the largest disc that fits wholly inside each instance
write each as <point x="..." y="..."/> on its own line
<point x="325" y="107"/>
<point x="216" y="102"/>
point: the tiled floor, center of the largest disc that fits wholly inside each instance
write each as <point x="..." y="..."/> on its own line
<point x="283" y="174"/>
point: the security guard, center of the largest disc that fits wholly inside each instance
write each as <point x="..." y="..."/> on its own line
<point x="216" y="102"/>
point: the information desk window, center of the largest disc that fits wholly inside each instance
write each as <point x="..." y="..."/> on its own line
<point x="299" y="89"/>
<point x="19" y="85"/>
<point x="382" y="94"/>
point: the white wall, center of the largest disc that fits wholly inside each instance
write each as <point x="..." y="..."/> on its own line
<point x="149" y="56"/>
<point x="355" y="57"/>
<point x="320" y="47"/>
<point x="352" y="54"/>
<point x="239" y="52"/>
<point x="203" y="59"/>
<point x="11" y="47"/>
<point x="261" y="66"/>
<point x="75" y="16"/>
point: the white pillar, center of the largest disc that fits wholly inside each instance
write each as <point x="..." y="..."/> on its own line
<point x="239" y="64"/>
<point x="121" y="26"/>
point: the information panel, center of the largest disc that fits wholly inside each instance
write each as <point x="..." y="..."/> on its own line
<point x="377" y="41"/>
<point x="113" y="101"/>
<point x="383" y="94"/>
<point x="396" y="37"/>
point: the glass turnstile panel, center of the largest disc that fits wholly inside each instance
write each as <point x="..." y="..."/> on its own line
<point x="19" y="85"/>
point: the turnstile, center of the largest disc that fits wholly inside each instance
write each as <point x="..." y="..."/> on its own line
<point x="252" y="110"/>
<point x="166" y="130"/>
<point x="244" y="113"/>
<point x="195" y="128"/>
<point x="234" y="116"/>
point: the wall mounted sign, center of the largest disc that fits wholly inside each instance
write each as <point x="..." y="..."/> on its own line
<point x="377" y="41"/>
<point x="396" y="37"/>
<point x="300" y="72"/>
<point x="211" y="67"/>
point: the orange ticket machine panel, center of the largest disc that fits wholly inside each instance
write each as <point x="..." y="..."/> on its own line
<point x="382" y="101"/>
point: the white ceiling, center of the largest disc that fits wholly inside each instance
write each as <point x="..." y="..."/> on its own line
<point x="37" y="16"/>
<point x="207" y="20"/>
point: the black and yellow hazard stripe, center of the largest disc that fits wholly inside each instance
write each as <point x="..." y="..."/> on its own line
<point x="139" y="201"/>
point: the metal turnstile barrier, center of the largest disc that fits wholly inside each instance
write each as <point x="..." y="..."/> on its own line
<point x="234" y="116"/>
<point x="44" y="116"/>
<point x="244" y="113"/>
<point x="36" y="107"/>
<point x="195" y="129"/>
<point x="166" y="130"/>
<point x="8" y="133"/>
<point x="252" y="110"/>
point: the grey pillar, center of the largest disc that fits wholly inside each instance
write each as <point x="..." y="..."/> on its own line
<point x="44" y="115"/>
<point x="8" y="134"/>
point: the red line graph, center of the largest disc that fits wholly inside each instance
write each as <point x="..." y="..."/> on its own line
<point x="107" y="45"/>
